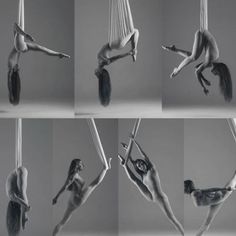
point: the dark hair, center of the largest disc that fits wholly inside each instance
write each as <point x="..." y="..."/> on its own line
<point x="140" y="172"/>
<point x="225" y="81"/>
<point x="73" y="165"/>
<point x="13" y="219"/>
<point x="188" y="186"/>
<point x="104" y="85"/>
<point x="14" y="86"/>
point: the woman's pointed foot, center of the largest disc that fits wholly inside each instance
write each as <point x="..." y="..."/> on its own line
<point x="171" y="48"/>
<point x="63" y="55"/>
<point x="174" y="73"/>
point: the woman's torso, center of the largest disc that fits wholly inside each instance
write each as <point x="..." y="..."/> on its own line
<point x="208" y="197"/>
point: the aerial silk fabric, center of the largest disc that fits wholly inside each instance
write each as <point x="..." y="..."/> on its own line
<point x="97" y="141"/>
<point x="121" y="23"/>
<point x="203" y="15"/>
<point x="18" y="148"/>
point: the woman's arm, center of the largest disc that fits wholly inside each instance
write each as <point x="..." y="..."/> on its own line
<point x="143" y="154"/>
<point x="68" y="182"/>
<point x="142" y="188"/>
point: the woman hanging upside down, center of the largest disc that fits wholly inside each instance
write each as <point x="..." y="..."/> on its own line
<point x="23" y="43"/>
<point x="16" y="186"/>
<point x="149" y="185"/>
<point x="104" y="59"/>
<point x="79" y="192"/>
<point x="213" y="198"/>
<point x="205" y="41"/>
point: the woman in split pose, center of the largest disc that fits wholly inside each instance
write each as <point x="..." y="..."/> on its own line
<point x="79" y="192"/>
<point x="212" y="198"/>
<point x="23" y="43"/>
<point x="149" y="182"/>
<point x="121" y="32"/>
<point x="16" y="186"/>
<point x="204" y="42"/>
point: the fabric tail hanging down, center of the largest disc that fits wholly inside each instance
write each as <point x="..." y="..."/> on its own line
<point x="121" y="23"/>
<point x="97" y="141"/>
<point x="232" y="125"/>
<point x="134" y="133"/>
<point x="18" y="148"/>
<point x="203" y="15"/>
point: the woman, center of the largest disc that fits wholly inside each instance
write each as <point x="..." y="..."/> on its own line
<point x="213" y="198"/>
<point x="79" y="192"/>
<point x="102" y="74"/>
<point x="149" y="182"/>
<point x="23" y="42"/>
<point x="16" y="186"/>
<point x="205" y="41"/>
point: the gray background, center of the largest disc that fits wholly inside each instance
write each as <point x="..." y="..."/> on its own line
<point x="163" y="142"/>
<point x="37" y="153"/>
<point x="132" y="82"/>
<point x="181" y="20"/>
<point x="72" y="139"/>
<point x="209" y="151"/>
<point x="44" y="79"/>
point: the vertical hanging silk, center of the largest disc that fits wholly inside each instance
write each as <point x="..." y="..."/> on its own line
<point x="203" y="15"/>
<point x="121" y="23"/>
<point x="18" y="148"/>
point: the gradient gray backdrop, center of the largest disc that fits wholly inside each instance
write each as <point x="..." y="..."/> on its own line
<point x="162" y="140"/>
<point x="132" y="82"/>
<point x="37" y="158"/>
<point x="72" y="139"/>
<point x="43" y="78"/>
<point x="209" y="160"/>
<point x="180" y="22"/>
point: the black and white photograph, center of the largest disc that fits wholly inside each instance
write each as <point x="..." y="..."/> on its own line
<point x="37" y="58"/>
<point x="118" y="61"/>
<point x="151" y="196"/>
<point x="210" y="177"/>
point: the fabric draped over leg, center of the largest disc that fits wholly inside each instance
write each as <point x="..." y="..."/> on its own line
<point x="121" y="23"/>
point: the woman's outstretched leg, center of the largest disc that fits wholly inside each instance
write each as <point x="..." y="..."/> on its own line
<point x="198" y="47"/>
<point x="134" y="44"/>
<point x="64" y="220"/>
<point x="38" y="48"/>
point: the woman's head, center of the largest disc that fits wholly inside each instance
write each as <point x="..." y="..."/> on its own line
<point x="226" y="88"/>
<point x="104" y="86"/>
<point x="76" y="165"/>
<point x="188" y="186"/>
<point x="141" y="167"/>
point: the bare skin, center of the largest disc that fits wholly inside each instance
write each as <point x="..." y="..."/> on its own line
<point x="150" y="185"/>
<point x="24" y="42"/>
<point x="214" y="198"/>
<point x="16" y="186"/>
<point x="205" y="42"/>
<point x="104" y="58"/>
<point x="79" y="193"/>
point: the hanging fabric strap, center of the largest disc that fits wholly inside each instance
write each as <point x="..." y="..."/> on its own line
<point x="21" y="14"/>
<point x="134" y="133"/>
<point x="97" y="141"/>
<point x="203" y="15"/>
<point x="18" y="149"/>
<point x="232" y="125"/>
<point x="121" y="23"/>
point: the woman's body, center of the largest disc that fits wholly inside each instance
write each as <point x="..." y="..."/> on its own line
<point x="16" y="186"/>
<point x="205" y="42"/>
<point x="149" y="185"/>
<point x="79" y="192"/>
<point x="213" y="198"/>
<point x="23" y="43"/>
